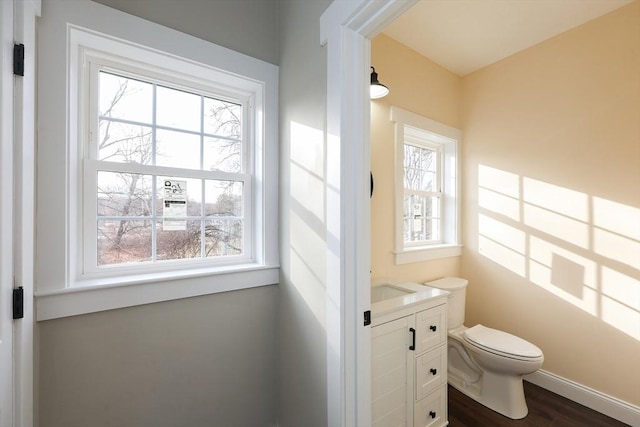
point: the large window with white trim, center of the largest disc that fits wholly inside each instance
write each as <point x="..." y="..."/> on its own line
<point x="427" y="202"/>
<point x="157" y="165"/>
<point x="169" y="163"/>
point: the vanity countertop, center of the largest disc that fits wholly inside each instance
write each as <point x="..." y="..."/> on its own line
<point x="412" y="295"/>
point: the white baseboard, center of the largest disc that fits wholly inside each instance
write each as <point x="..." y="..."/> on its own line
<point x="605" y="404"/>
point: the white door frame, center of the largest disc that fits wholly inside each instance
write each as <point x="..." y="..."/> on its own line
<point x="17" y="216"/>
<point x="346" y="29"/>
<point x="25" y="14"/>
<point x="6" y="214"/>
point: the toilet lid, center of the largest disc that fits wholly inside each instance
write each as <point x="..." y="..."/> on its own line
<point x="501" y="342"/>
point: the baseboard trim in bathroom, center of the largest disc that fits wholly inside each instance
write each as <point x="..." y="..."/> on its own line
<point x="603" y="403"/>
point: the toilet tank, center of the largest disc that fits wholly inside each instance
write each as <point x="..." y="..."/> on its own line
<point x="456" y="301"/>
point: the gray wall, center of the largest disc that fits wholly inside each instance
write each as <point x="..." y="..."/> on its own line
<point x="302" y="293"/>
<point x="246" y="26"/>
<point x="193" y="362"/>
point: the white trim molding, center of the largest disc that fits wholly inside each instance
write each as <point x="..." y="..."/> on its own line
<point x="598" y="401"/>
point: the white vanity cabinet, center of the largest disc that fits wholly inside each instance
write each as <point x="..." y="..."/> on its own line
<point x="409" y="365"/>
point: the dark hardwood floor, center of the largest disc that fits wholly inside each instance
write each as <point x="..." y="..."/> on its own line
<point x="546" y="409"/>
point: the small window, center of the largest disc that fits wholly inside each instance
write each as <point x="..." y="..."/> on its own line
<point x="422" y="193"/>
<point x="426" y="188"/>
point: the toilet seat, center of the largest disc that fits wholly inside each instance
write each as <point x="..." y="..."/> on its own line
<point x="501" y="343"/>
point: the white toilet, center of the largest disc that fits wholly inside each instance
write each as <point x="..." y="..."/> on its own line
<point x="483" y="363"/>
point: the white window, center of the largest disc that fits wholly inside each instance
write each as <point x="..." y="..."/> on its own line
<point x="427" y="202"/>
<point x="167" y="176"/>
<point x="158" y="176"/>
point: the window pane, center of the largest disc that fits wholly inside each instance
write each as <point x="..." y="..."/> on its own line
<point x="223" y="237"/>
<point x="177" y="149"/>
<point x="222" y="155"/>
<point x="170" y="190"/>
<point x="125" y="98"/>
<point x="124" y="194"/>
<point x="223" y="198"/>
<point x="124" y="143"/>
<point x="178" y="109"/>
<point x="420" y="168"/>
<point x="179" y="244"/>
<point x="123" y="241"/>
<point x="421" y="218"/>
<point x="222" y="118"/>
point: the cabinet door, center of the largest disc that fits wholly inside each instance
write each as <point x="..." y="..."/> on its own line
<point x="431" y="371"/>
<point x="432" y="410"/>
<point x="431" y="328"/>
<point x="391" y="371"/>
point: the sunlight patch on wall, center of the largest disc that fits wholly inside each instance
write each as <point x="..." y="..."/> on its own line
<point x="308" y="190"/>
<point x="307" y="168"/>
<point x="307" y="228"/>
<point x="621" y="301"/>
<point x="617" y="218"/>
<point x="500" y="181"/>
<point x="616" y="247"/>
<point x="499" y="203"/>
<point x="582" y="249"/>
<point x="498" y="241"/>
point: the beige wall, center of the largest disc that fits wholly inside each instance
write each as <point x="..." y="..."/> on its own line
<point x="423" y="87"/>
<point x="551" y="161"/>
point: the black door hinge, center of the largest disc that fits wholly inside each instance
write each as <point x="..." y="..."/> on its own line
<point x="18" y="303"/>
<point x="18" y="59"/>
<point x="367" y="318"/>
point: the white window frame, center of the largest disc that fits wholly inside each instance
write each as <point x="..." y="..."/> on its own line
<point x="95" y="62"/>
<point x="70" y="290"/>
<point x="413" y="129"/>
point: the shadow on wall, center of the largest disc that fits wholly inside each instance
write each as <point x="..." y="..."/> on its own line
<point x="581" y="248"/>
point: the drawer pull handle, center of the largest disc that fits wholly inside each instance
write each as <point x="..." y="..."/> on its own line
<point x="413" y="339"/>
<point x="433" y="371"/>
<point x="433" y="328"/>
<point x="432" y="414"/>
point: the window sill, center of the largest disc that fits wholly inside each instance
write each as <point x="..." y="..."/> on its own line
<point x="103" y="294"/>
<point x="420" y="254"/>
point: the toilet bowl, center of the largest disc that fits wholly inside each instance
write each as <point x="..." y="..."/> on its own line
<point x="486" y="364"/>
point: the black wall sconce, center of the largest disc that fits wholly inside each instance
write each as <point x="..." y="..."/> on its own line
<point x="377" y="89"/>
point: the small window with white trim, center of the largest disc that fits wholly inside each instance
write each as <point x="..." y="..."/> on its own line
<point x="427" y="205"/>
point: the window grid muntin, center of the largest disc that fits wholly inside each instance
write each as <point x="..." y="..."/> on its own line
<point x="246" y="165"/>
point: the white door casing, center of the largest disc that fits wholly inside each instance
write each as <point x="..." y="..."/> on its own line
<point x="346" y="28"/>
<point x="25" y="14"/>
<point x="6" y="214"/>
<point x="17" y="213"/>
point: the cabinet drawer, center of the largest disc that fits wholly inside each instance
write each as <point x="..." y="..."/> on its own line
<point x="431" y="328"/>
<point x="431" y="371"/>
<point x="432" y="410"/>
